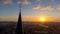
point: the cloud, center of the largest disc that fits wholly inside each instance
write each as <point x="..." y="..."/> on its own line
<point x="36" y="7"/>
<point x="26" y="2"/>
<point x="7" y="1"/>
<point x="47" y="7"/>
<point x="37" y="0"/>
<point x="58" y="7"/>
<point x="18" y="2"/>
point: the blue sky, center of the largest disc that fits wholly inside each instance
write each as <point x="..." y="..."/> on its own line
<point x="9" y="9"/>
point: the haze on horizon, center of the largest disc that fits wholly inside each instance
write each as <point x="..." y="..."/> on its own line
<point x="31" y="10"/>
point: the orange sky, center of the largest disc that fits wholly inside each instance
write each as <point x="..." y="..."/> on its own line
<point x="37" y="19"/>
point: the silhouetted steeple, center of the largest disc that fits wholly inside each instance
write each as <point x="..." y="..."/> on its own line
<point x="19" y="25"/>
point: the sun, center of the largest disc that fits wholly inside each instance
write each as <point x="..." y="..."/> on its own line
<point x="42" y="19"/>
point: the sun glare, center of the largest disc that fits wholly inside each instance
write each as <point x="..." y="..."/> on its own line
<point x="42" y="19"/>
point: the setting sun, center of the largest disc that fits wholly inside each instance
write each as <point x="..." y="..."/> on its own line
<point x="42" y="19"/>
